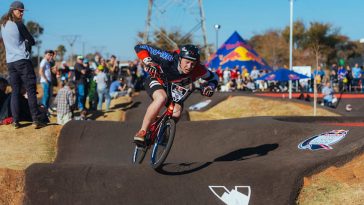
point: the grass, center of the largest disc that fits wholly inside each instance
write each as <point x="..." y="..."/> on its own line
<point x="335" y="185"/>
<point x="242" y="106"/>
<point x="24" y="146"/>
<point x="325" y="190"/>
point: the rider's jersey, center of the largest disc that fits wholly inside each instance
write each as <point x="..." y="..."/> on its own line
<point x="168" y="61"/>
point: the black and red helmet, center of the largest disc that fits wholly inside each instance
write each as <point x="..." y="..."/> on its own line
<point x="190" y="52"/>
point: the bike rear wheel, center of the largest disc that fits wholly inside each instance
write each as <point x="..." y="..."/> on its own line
<point x="163" y="143"/>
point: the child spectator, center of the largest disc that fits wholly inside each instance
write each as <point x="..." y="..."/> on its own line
<point x="102" y="90"/>
<point x="65" y="102"/>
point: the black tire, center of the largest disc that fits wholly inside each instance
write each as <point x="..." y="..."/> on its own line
<point x="139" y="154"/>
<point x="161" y="149"/>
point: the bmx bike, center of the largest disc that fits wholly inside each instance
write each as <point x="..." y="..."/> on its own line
<point x="161" y="132"/>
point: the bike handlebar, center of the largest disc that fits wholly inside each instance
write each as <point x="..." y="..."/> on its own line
<point x="160" y="76"/>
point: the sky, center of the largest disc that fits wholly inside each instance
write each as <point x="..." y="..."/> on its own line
<point x="111" y="26"/>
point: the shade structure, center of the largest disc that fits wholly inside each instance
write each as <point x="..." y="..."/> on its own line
<point x="236" y="52"/>
<point x="282" y="74"/>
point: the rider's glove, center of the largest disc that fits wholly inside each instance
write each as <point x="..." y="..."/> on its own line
<point x="207" y="91"/>
<point x="150" y="66"/>
<point x="152" y="69"/>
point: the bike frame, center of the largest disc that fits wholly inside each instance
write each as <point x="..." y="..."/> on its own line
<point x="154" y="128"/>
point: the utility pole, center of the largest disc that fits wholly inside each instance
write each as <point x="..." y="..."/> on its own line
<point x="147" y="25"/>
<point x="217" y="27"/>
<point x="202" y="15"/>
<point x="71" y="40"/>
<point x="83" y="48"/>
<point x="290" y="46"/>
<point x="98" y="49"/>
<point x="162" y="12"/>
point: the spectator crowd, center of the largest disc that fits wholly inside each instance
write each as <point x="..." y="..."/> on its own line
<point x="87" y="86"/>
<point x="342" y="79"/>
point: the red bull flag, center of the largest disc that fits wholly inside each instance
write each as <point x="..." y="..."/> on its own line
<point x="236" y="52"/>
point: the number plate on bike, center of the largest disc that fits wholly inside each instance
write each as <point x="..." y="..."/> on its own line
<point x="178" y="92"/>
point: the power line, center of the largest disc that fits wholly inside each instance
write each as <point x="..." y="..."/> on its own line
<point x="71" y="40"/>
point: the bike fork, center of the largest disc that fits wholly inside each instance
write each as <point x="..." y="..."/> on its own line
<point x="159" y="139"/>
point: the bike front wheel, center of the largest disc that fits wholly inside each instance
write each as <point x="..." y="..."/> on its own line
<point x="163" y="143"/>
<point x="139" y="154"/>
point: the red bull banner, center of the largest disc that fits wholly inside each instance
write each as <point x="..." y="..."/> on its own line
<point x="236" y="52"/>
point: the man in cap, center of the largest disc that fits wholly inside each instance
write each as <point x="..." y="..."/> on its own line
<point x="81" y="80"/>
<point x="18" y="42"/>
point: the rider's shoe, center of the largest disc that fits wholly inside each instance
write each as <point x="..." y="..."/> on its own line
<point x="140" y="136"/>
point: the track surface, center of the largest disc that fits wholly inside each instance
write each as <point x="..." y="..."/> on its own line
<point x="93" y="164"/>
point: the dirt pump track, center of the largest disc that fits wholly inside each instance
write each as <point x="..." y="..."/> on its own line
<point x="93" y="163"/>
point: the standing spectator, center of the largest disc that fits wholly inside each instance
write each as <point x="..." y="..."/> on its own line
<point x="234" y="74"/>
<point x="226" y="75"/>
<point x="102" y="88"/>
<point x="139" y="84"/>
<point x="65" y="103"/>
<point x="133" y="69"/>
<point x="92" y="91"/>
<point x="356" y="73"/>
<point x="104" y="65"/>
<point x="219" y="73"/>
<point x="64" y="72"/>
<point x="254" y="74"/>
<point x="341" y="75"/>
<point x="46" y="78"/>
<point x="86" y="65"/>
<point x="349" y="76"/>
<point x="244" y="72"/>
<point x="54" y="69"/>
<point x="81" y="80"/>
<point x="334" y="68"/>
<point x="96" y="62"/>
<point x="18" y="42"/>
<point x="334" y="77"/>
<point x="318" y="75"/>
<point x="113" y="68"/>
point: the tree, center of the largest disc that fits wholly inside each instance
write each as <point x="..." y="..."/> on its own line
<point x="170" y="40"/>
<point x="321" y="39"/>
<point x="61" y="50"/>
<point x="35" y="29"/>
<point x="272" y="47"/>
<point x="299" y="32"/>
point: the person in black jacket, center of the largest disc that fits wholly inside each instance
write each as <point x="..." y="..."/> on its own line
<point x="18" y="42"/>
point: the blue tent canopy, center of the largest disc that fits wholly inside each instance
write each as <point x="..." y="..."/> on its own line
<point x="282" y="74"/>
<point x="236" y="52"/>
